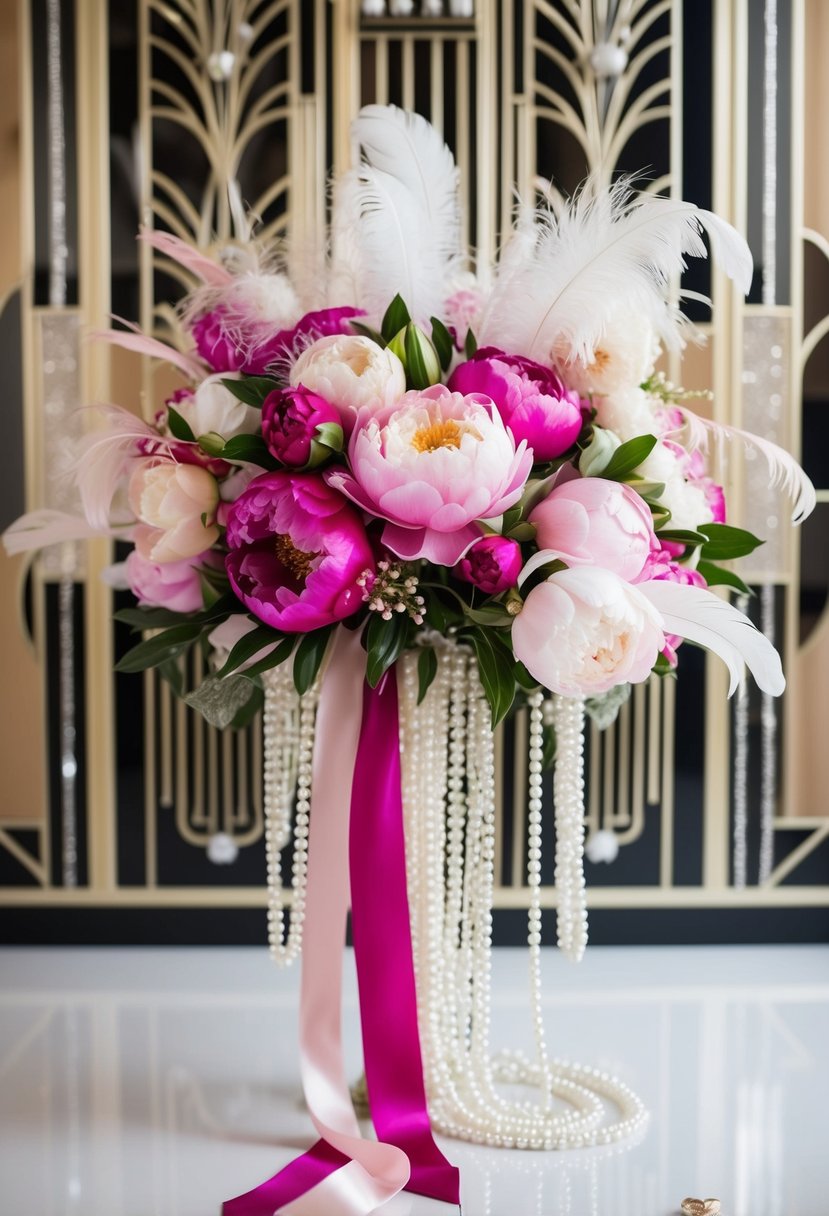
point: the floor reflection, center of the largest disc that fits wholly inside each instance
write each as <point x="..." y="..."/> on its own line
<point x="153" y="1083"/>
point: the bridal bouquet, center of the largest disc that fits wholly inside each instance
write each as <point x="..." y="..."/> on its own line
<point x="382" y="439"/>
<point x="370" y="452"/>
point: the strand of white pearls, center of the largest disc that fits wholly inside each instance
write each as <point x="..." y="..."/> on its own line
<point x="568" y="795"/>
<point x="288" y="735"/>
<point x="450" y="873"/>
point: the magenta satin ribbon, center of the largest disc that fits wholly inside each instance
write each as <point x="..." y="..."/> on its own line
<point x="344" y="1174"/>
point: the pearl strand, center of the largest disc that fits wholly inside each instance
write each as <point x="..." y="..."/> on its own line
<point x="453" y="963"/>
<point x="289" y="727"/>
<point x="568" y="792"/>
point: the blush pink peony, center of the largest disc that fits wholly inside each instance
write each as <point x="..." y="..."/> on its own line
<point x="591" y="521"/>
<point x="178" y="504"/>
<point x="296" y="551"/>
<point x="431" y="467"/>
<point x="584" y="631"/>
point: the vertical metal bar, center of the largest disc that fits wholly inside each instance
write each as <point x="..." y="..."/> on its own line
<point x="94" y="208"/>
<point x="666" y="835"/>
<point x="654" y="738"/>
<point x="407" y="44"/>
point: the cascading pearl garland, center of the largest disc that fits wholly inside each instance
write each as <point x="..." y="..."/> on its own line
<point x="448" y="786"/>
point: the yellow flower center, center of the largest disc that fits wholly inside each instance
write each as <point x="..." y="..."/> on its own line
<point x="600" y="361"/>
<point x="296" y="561"/>
<point x="446" y="434"/>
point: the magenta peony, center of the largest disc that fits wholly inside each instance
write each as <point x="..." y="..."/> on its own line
<point x="530" y="398"/>
<point x="431" y="467"/>
<point x="233" y="342"/>
<point x="584" y="631"/>
<point x="591" y="521"/>
<point x="492" y="564"/>
<point x="296" y="551"/>
<point x="300" y="427"/>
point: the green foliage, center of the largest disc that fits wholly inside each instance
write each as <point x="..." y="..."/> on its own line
<point x="252" y="390"/>
<point x="497" y="669"/>
<point x="309" y="655"/>
<point x="427" y="669"/>
<point x="385" y="641"/>
<point x="442" y="342"/>
<point x="396" y="317"/>
<point x="722" y="542"/>
<point x="628" y="457"/>
<point x="179" y="427"/>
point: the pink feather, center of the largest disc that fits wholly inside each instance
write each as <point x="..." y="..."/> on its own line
<point x="192" y="259"/>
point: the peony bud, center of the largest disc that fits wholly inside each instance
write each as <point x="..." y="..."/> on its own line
<point x="301" y="428"/>
<point x="418" y="356"/>
<point x="492" y="564"/>
<point x="597" y="455"/>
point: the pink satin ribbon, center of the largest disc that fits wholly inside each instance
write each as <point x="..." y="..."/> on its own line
<point x="344" y="1174"/>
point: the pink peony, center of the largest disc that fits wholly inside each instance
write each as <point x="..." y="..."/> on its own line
<point x="173" y="585"/>
<point x="178" y="503"/>
<point x="296" y="551"/>
<point x="431" y="466"/>
<point x="591" y="521"/>
<point x="492" y="564"/>
<point x="299" y="427"/>
<point x="233" y="342"/>
<point x="530" y="398"/>
<point x="584" y="631"/>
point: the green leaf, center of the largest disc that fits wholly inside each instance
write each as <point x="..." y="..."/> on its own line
<point x="442" y="342"/>
<point x="179" y="427"/>
<point x="716" y="576"/>
<point x="496" y="665"/>
<point x="493" y="615"/>
<point x="385" y="642"/>
<point x="172" y="673"/>
<point x="470" y="345"/>
<point x="396" y="317"/>
<point x="160" y="618"/>
<point x="682" y="536"/>
<point x="427" y="669"/>
<point x="522" y="531"/>
<point x="249" y="449"/>
<point x="252" y="390"/>
<point x="436" y="613"/>
<point x="628" y="457"/>
<point x="367" y="332"/>
<point x="535" y="491"/>
<point x="722" y="542"/>
<point x="249" y="645"/>
<point x="159" y="648"/>
<point x="280" y="655"/>
<point x="524" y="679"/>
<point x="309" y="656"/>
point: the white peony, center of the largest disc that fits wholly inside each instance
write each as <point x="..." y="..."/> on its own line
<point x="585" y="630"/>
<point x="213" y="409"/>
<point x="627" y="412"/>
<point x="686" y="500"/>
<point x="625" y="356"/>
<point x="352" y="373"/>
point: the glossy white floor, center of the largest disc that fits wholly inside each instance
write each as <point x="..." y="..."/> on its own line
<point x="158" y="1082"/>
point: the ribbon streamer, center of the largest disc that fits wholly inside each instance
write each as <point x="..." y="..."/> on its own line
<point x="344" y="1174"/>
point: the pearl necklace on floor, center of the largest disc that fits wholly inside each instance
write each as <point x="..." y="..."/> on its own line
<point x="448" y="785"/>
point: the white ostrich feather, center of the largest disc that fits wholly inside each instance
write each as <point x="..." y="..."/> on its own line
<point x="605" y="250"/>
<point x="702" y="617"/>
<point x="396" y="224"/>
<point x="43" y="527"/>
<point x="106" y="456"/>
<point x="784" y="471"/>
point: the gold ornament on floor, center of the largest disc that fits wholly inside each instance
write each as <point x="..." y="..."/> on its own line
<point x="700" y="1207"/>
